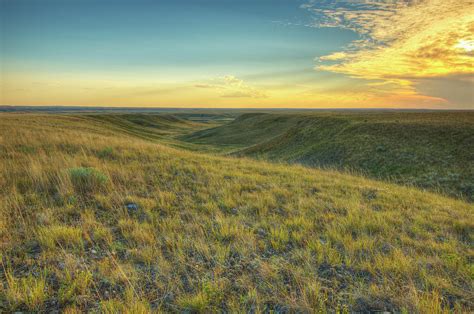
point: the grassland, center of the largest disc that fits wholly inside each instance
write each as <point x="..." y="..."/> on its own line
<point x="96" y="219"/>
<point x="163" y="128"/>
<point x="431" y="150"/>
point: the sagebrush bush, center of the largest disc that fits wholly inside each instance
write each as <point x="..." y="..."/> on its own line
<point x="87" y="179"/>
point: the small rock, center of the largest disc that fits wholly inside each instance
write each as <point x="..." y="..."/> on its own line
<point x="93" y="251"/>
<point x="380" y="148"/>
<point x="386" y="248"/>
<point x="132" y="206"/>
<point x="314" y="190"/>
<point x="376" y="207"/>
<point x="370" y="194"/>
<point x="169" y="297"/>
<point x="34" y="248"/>
<point x="255" y="264"/>
<point x="261" y="232"/>
<point x="280" y="211"/>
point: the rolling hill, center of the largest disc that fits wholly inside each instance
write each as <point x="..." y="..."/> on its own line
<point x="432" y="150"/>
<point x="93" y="219"/>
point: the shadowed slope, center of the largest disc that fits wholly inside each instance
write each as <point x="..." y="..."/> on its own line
<point x="431" y="150"/>
<point x="147" y="126"/>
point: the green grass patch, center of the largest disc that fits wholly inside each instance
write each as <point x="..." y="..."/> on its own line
<point x="27" y="291"/>
<point x="424" y="149"/>
<point x="87" y="179"/>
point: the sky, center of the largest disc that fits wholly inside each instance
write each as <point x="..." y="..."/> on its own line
<point x="238" y="53"/>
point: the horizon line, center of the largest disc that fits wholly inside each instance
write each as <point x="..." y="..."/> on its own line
<point x="39" y="107"/>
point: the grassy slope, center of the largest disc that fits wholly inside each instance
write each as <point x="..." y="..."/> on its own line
<point x="150" y="126"/>
<point x="162" y="128"/>
<point x="430" y="150"/>
<point x="212" y="233"/>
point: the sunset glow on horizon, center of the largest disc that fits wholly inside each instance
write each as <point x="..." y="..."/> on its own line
<point x="238" y="54"/>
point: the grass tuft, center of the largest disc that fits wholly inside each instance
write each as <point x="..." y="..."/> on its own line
<point x="28" y="291"/>
<point x="60" y="236"/>
<point x="87" y="180"/>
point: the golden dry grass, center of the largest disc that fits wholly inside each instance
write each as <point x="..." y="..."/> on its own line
<point x="170" y="230"/>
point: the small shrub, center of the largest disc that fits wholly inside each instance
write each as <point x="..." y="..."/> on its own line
<point x="87" y="179"/>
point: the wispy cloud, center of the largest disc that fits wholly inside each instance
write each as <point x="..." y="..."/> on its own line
<point x="204" y="86"/>
<point x="334" y="57"/>
<point x="232" y="87"/>
<point x="400" y="41"/>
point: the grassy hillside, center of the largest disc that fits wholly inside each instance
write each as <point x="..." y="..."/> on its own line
<point x="162" y="128"/>
<point x="433" y="150"/>
<point x="148" y="126"/>
<point x="91" y="219"/>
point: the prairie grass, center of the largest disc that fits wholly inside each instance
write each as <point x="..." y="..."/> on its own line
<point x="431" y="150"/>
<point x="29" y="291"/>
<point x="213" y="234"/>
<point x="86" y="179"/>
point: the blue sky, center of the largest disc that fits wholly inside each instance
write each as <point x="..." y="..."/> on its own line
<point x="114" y="35"/>
<point x="139" y="46"/>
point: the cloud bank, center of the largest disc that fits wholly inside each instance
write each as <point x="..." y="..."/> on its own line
<point x="402" y="43"/>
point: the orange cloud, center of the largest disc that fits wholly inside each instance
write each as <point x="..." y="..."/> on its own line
<point x="401" y="40"/>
